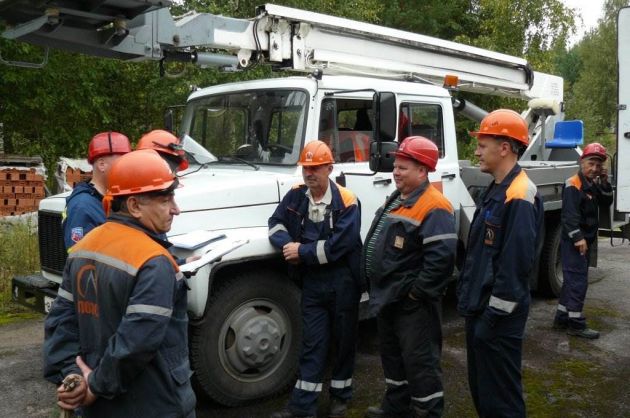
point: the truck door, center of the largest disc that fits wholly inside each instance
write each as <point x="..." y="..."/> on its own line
<point x="623" y="121"/>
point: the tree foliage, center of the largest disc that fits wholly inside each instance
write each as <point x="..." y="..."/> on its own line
<point x="55" y="111"/>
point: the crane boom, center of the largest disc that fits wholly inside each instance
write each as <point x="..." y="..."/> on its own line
<point x="284" y="37"/>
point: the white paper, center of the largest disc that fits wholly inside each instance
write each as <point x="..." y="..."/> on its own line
<point x="195" y="239"/>
<point x="215" y="253"/>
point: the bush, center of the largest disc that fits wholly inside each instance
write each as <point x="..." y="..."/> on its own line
<point x="19" y="254"/>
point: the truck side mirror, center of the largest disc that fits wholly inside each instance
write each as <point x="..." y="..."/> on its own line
<point x="385" y="116"/>
<point x="169" y="120"/>
<point x="382" y="156"/>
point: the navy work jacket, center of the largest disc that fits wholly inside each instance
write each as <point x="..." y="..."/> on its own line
<point x="581" y="201"/>
<point x="343" y="244"/>
<point x="83" y="212"/>
<point x="502" y="247"/>
<point x="122" y="307"/>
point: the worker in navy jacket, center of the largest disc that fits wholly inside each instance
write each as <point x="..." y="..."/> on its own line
<point x="84" y="207"/>
<point x="583" y="195"/>
<point x="317" y="228"/>
<point x="120" y="317"/>
<point x="409" y="256"/>
<point x="493" y="289"/>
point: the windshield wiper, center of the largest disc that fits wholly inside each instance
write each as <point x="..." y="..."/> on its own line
<point x="234" y="160"/>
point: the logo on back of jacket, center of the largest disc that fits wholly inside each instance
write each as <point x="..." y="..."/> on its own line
<point x="87" y="291"/>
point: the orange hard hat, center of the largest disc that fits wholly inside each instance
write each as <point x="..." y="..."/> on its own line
<point x="594" y="150"/>
<point x="504" y="122"/>
<point x="140" y="171"/>
<point x="167" y="144"/>
<point x="316" y="153"/>
<point x="107" y="143"/>
<point x="420" y="149"/>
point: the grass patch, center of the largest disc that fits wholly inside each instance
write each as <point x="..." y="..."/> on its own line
<point x="19" y="254"/>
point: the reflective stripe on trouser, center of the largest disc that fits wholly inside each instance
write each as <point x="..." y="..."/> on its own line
<point x="330" y="302"/>
<point x="410" y="342"/>
<point x="574" y="286"/>
<point x="494" y="364"/>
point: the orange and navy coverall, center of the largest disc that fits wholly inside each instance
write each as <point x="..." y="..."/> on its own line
<point x="581" y="201"/>
<point x="330" y="253"/>
<point x="122" y="307"/>
<point x="493" y="291"/>
<point x="410" y="249"/>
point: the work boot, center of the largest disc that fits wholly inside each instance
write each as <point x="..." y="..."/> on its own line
<point x="338" y="408"/>
<point x="286" y="413"/>
<point x="560" y="325"/>
<point x="376" y="412"/>
<point x="588" y="333"/>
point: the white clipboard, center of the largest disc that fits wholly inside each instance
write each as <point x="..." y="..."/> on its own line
<point x="212" y="255"/>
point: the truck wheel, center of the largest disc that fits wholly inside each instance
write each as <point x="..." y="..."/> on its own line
<point x="550" y="280"/>
<point x="248" y="344"/>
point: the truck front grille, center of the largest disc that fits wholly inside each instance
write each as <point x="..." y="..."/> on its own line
<point x="52" y="253"/>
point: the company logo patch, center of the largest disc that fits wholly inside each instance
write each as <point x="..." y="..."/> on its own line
<point x="76" y="234"/>
<point x="309" y="156"/>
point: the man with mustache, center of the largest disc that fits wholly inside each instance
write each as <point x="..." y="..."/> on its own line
<point x="119" y="320"/>
<point x="583" y="196"/>
<point x="317" y="226"/>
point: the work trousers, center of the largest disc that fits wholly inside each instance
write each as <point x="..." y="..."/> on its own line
<point x="574" y="285"/>
<point x="410" y="342"/>
<point x="330" y="306"/>
<point x="494" y="352"/>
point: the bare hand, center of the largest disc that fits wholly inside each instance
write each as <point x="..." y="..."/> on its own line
<point x="603" y="176"/>
<point x="291" y="252"/>
<point x="581" y="246"/>
<point x="71" y="392"/>
<point x="85" y="369"/>
<point x="192" y="258"/>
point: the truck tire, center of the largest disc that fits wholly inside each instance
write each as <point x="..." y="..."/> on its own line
<point x="550" y="279"/>
<point x="247" y="345"/>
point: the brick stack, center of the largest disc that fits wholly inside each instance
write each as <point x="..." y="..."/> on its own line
<point x="21" y="189"/>
<point x="76" y="175"/>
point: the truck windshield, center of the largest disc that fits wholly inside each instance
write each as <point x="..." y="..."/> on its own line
<point x="258" y="126"/>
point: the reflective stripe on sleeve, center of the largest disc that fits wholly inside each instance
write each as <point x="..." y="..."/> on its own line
<point x="277" y="228"/>
<point x="149" y="309"/>
<point x="308" y="386"/>
<point x="340" y="384"/>
<point x="575" y="314"/>
<point x="62" y="293"/>
<point x="502" y="304"/>
<point x="321" y="253"/>
<point x="428" y="398"/>
<point x="572" y="233"/>
<point x="396" y="382"/>
<point x="562" y="308"/>
<point x="440" y="237"/>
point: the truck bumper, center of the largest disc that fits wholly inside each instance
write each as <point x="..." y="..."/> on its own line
<point x="34" y="291"/>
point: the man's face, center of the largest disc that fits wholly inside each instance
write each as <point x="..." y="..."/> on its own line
<point x="488" y="152"/>
<point x="156" y="212"/>
<point x="104" y="163"/>
<point x="408" y="175"/>
<point x="316" y="176"/>
<point x="591" y="168"/>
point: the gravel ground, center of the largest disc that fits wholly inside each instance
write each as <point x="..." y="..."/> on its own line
<point x="564" y="377"/>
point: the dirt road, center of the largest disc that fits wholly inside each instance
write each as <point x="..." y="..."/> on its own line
<point x="564" y="377"/>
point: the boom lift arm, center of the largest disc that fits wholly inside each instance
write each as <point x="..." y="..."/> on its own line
<point x="284" y="37"/>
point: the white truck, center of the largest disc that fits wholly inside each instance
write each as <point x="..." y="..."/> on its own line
<point x="366" y="87"/>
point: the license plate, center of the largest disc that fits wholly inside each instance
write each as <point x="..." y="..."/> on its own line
<point x="48" y="302"/>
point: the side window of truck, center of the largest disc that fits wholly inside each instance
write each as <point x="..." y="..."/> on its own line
<point x="347" y="126"/>
<point x="423" y="119"/>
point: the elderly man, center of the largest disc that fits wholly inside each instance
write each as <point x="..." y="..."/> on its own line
<point x="584" y="194"/>
<point x="317" y="226"/>
<point x="84" y="208"/>
<point x="119" y="320"/>
<point x="408" y="259"/>
<point x="493" y="289"/>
